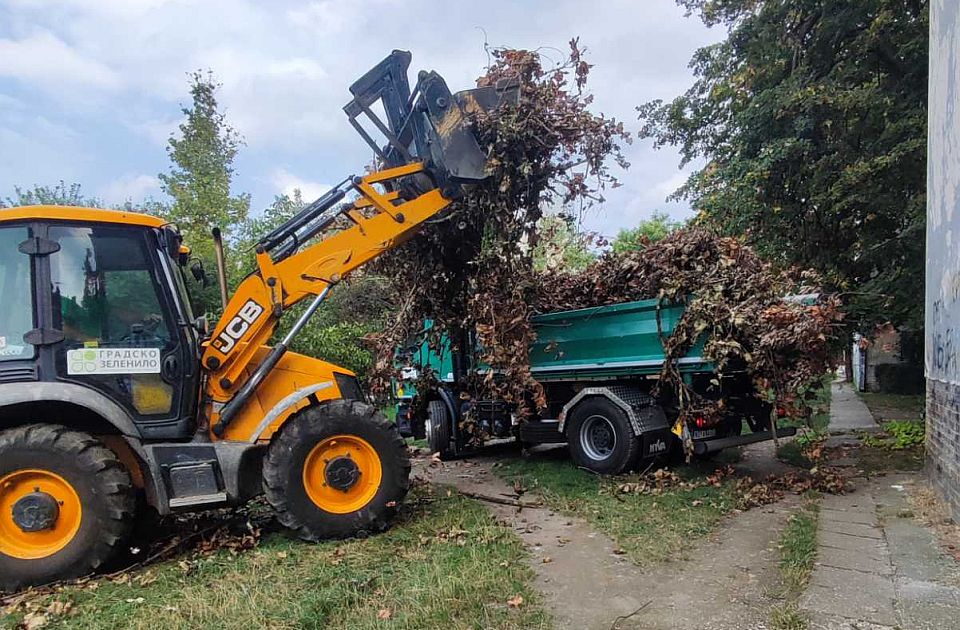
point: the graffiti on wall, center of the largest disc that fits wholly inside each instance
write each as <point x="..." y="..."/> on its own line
<point x="942" y="323"/>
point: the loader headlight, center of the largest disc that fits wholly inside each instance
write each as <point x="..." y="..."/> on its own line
<point x="349" y="387"/>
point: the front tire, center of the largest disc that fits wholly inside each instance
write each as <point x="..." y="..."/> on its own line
<point x="66" y="505"/>
<point x="336" y="470"/>
<point x="601" y="438"/>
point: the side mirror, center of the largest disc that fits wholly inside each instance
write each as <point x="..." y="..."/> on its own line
<point x="199" y="273"/>
<point x="172" y="242"/>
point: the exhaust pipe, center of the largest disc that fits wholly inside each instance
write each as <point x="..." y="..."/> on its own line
<point x="221" y="266"/>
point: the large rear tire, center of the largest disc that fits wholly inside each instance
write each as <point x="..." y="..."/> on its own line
<point x="66" y="505"/>
<point x="438" y="429"/>
<point x="601" y="438"/>
<point x="337" y="470"/>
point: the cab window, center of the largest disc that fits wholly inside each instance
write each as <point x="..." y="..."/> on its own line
<point x="107" y="302"/>
<point x="104" y="291"/>
<point x="16" y="316"/>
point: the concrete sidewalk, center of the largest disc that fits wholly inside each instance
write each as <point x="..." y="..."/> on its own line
<point x="877" y="567"/>
<point x="847" y="411"/>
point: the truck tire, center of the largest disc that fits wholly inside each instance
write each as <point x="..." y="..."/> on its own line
<point x="438" y="428"/>
<point x="601" y="438"/>
<point x="337" y="470"/>
<point x="66" y="505"/>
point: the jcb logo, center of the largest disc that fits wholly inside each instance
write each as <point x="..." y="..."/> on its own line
<point x="238" y="326"/>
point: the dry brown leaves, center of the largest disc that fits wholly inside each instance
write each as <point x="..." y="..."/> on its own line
<point x="471" y="271"/>
<point x="930" y="510"/>
<point x="192" y="537"/>
<point x="749" y="493"/>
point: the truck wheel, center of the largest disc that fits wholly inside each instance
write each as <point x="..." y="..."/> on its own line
<point x="601" y="438"/>
<point x="66" y="505"/>
<point x="438" y="428"/>
<point x="336" y="470"/>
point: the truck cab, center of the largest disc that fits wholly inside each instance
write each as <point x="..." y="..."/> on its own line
<point x="97" y="321"/>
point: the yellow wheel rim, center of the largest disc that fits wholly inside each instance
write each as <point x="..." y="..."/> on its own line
<point x="32" y="545"/>
<point x="342" y="474"/>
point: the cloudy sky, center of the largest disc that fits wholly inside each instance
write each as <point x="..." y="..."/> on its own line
<point x="90" y="90"/>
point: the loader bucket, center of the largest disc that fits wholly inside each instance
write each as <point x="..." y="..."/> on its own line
<point x="428" y="123"/>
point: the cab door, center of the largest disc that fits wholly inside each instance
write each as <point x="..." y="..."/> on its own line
<point x="122" y="332"/>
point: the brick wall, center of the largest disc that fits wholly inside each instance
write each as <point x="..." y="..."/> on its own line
<point x="943" y="441"/>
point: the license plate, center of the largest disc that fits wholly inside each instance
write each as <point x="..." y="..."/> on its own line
<point x="703" y="434"/>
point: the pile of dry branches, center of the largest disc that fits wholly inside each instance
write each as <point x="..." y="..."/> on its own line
<point x="472" y="269"/>
<point x="732" y="298"/>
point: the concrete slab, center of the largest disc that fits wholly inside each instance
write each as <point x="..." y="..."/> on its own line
<point x="850" y="503"/>
<point x="921" y="591"/>
<point x="924" y="616"/>
<point x="819" y="621"/>
<point x="844" y="462"/>
<point x="851" y="529"/>
<point x="856" y="560"/>
<point x="846" y="516"/>
<point x="916" y="553"/>
<point x="853" y="543"/>
<point x="847" y="440"/>
<point x="851" y="594"/>
<point x="847" y="411"/>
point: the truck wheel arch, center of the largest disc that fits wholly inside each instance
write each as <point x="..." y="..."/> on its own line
<point x="641" y="408"/>
<point x="22" y="403"/>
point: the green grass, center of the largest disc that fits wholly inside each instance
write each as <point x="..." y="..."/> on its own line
<point x="886" y="407"/>
<point x="798" y="554"/>
<point x="648" y="528"/>
<point x="447" y="564"/>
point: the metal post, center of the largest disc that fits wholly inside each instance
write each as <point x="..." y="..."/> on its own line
<point x="221" y="265"/>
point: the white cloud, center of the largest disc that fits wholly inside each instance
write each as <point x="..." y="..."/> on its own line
<point x="286" y="182"/>
<point x="45" y="59"/>
<point x="117" y="71"/>
<point x="130" y="188"/>
<point x="670" y="185"/>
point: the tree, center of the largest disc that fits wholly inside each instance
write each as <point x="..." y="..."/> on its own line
<point x="561" y="246"/>
<point x="61" y="194"/>
<point x="651" y="230"/>
<point x="811" y="118"/>
<point x="199" y="180"/>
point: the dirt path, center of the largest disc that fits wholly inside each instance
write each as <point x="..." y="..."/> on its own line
<point x="723" y="585"/>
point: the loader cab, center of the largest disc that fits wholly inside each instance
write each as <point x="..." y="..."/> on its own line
<point x="94" y="302"/>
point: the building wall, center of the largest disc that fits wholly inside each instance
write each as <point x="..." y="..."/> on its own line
<point x="942" y="343"/>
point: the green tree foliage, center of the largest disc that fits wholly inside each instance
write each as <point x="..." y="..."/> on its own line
<point x="651" y="230"/>
<point x="355" y="308"/>
<point x="811" y="119"/>
<point x="560" y="245"/>
<point x="199" y="182"/>
<point x="61" y="194"/>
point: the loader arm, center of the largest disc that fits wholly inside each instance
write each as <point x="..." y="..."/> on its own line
<point x="431" y="153"/>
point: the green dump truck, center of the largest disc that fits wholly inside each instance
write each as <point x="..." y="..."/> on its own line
<point x="599" y="367"/>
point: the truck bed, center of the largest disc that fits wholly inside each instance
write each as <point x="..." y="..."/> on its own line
<point x="607" y="341"/>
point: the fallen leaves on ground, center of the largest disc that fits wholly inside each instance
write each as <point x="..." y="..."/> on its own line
<point x="749" y="492"/>
<point x="190" y="536"/>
